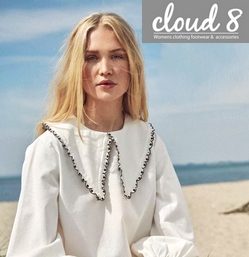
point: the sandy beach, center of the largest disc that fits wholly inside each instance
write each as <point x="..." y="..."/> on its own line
<point x="7" y="214"/>
<point x="217" y="234"/>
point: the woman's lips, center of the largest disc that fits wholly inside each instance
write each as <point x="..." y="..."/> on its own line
<point x="107" y="84"/>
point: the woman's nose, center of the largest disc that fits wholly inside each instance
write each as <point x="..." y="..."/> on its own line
<point x="105" y="68"/>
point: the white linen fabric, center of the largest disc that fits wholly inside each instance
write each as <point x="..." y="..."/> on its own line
<point x="58" y="216"/>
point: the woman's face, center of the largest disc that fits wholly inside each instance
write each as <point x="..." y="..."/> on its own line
<point x="106" y="70"/>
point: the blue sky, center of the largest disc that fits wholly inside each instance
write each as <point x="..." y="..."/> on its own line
<point x="198" y="93"/>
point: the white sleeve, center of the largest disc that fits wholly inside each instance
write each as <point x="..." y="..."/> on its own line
<point x="35" y="228"/>
<point x="171" y="233"/>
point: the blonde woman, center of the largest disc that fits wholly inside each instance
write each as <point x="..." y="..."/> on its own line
<point x="98" y="181"/>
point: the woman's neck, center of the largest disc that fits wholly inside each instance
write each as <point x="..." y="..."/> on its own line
<point x="103" y="116"/>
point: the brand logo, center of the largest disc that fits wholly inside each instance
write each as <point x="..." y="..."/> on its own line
<point x="195" y="25"/>
<point x="188" y="20"/>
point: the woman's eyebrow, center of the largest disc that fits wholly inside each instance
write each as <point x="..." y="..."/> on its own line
<point x="118" y="49"/>
<point x="111" y="51"/>
<point x="92" y="51"/>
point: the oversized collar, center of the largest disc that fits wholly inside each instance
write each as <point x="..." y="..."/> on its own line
<point x="90" y="157"/>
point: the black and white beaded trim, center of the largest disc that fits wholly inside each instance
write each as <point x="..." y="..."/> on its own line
<point x="46" y="127"/>
<point x="147" y="157"/>
<point x="106" y="163"/>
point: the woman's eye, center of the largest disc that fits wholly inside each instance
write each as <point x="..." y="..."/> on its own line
<point x="118" y="57"/>
<point x="91" y="58"/>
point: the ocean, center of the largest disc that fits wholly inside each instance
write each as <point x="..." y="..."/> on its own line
<point x="189" y="174"/>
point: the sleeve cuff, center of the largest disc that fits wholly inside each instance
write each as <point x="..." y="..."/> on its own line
<point x="164" y="246"/>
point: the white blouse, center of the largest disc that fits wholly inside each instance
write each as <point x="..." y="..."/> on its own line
<point x="111" y="195"/>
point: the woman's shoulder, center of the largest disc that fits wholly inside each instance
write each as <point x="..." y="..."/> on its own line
<point x="55" y="136"/>
<point x="44" y="142"/>
<point x="149" y="129"/>
<point x="137" y="127"/>
<point x="140" y="128"/>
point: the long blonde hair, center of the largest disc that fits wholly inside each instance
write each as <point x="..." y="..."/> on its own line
<point x="68" y="94"/>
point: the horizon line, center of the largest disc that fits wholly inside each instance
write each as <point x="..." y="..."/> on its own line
<point x="245" y="162"/>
